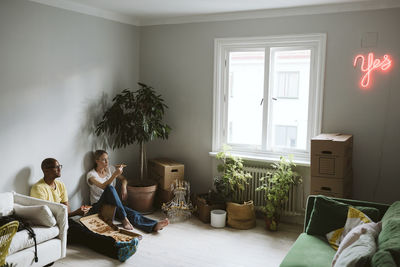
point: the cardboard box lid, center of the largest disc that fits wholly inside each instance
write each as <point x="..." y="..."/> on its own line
<point x="334" y="137"/>
<point x="166" y="162"/>
<point x="163" y="166"/>
<point x="332" y="144"/>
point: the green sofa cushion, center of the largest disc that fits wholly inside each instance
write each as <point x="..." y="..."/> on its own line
<point x="388" y="253"/>
<point x="328" y="215"/>
<point x="383" y="258"/>
<point x="392" y="213"/>
<point x="309" y="251"/>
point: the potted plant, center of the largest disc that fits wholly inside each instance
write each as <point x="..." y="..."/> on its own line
<point x="207" y="202"/>
<point x="228" y="184"/>
<point x="136" y="118"/>
<point x="276" y="187"/>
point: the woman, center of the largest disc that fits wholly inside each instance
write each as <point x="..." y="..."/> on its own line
<point x="101" y="182"/>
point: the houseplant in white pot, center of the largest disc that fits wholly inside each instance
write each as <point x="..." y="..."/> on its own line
<point x="276" y="187"/>
<point x="136" y="118"/>
<point x="228" y="184"/>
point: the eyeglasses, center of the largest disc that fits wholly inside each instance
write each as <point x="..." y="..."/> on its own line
<point x="56" y="167"/>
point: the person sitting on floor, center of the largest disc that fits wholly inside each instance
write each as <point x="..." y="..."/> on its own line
<point x="50" y="189"/>
<point x="101" y="182"/>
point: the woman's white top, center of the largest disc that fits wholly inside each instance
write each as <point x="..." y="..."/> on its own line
<point x="95" y="191"/>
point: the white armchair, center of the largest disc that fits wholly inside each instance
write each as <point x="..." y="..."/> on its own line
<point x="51" y="241"/>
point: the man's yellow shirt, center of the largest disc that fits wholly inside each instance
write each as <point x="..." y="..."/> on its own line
<point x="43" y="191"/>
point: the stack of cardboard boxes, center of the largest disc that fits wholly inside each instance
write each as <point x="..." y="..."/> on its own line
<point x="331" y="165"/>
<point x="165" y="172"/>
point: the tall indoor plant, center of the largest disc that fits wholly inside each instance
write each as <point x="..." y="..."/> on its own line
<point x="135" y="117"/>
<point x="276" y="187"/>
<point x="228" y="184"/>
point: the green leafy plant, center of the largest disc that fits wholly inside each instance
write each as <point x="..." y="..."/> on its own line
<point x="135" y="117"/>
<point x="232" y="177"/>
<point x="276" y="186"/>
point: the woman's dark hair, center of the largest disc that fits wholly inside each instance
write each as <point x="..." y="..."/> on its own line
<point x="97" y="154"/>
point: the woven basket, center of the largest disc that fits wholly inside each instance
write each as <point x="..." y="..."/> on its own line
<point x="241" y="216"/>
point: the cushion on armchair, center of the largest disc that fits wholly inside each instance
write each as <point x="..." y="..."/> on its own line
<point x="388" y="253"/>
<point x="358" y="245"/>
<point x="354" y="219"/>
<point x="309" y="251"/>
<point x="39" y="215"/>
<point x="328" y="215"/>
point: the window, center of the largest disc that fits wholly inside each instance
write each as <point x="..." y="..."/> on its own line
<point x="268" y="94"/>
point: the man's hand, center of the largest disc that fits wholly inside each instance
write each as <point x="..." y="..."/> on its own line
<point x="82" y="211"/>
<point x="85" y="209"/>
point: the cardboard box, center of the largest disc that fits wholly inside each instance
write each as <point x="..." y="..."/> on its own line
<point x="165" y="172"/>
<point x="332" y="144"/>
<point x="331" y="155"/>
<point x="330" y="166"/>
<point x="332" y="187"/>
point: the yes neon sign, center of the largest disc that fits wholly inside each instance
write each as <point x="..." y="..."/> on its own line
<point x="369" y="64"/>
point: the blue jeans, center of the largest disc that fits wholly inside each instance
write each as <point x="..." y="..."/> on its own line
<point x="110" y="196"/>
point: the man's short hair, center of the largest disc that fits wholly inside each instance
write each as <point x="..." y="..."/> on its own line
<point x="48" y="163"/>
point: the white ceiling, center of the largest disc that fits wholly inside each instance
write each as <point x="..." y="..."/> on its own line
<point x="148" y="12"/>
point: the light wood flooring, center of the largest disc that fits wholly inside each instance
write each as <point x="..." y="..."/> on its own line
<point x="195" y="244"/>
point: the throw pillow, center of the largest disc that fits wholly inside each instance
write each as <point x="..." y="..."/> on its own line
<point x="37" y="215"/>
<point x="355" y="234"/>
<point x="388" y="241"/>
<point x="6" y="203"/>
<point x="354" y="218"/>
<point x="328" y="215"/>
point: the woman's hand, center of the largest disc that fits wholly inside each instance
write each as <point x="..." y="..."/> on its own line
<point x="119" y="169"/>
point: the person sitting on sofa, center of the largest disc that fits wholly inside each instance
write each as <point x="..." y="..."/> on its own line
<point x="50" y="189"/>
<point x="102" y="179"/>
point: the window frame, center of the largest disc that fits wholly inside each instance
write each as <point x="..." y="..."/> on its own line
<point x="222" y="46"/>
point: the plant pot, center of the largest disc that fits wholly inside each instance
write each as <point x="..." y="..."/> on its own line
<point x="204" y="209"/>
<point x="271" y="224"/>
<point x="241" y="216"/>
<point x="141" y="198"/>
<point x="218" y="218"/>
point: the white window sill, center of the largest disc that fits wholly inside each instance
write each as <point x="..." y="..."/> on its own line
<point x="263" y="158"/>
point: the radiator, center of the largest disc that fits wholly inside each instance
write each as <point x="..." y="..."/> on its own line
<point x="295" y="204"/>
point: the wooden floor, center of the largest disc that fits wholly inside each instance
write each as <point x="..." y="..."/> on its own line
<point x="195" y="244"/>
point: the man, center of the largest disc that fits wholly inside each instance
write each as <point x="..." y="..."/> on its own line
<point x="50" y="189"/>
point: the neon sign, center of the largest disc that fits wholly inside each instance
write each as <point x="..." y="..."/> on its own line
<point x="371" y="64"/>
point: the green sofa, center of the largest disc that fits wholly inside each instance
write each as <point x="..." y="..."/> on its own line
<point x="314" y="250"/>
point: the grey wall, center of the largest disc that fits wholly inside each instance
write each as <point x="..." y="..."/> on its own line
<point x="56" y="66"/>
<point x="178" y="61"/>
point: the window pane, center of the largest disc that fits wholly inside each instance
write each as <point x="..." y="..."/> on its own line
<point x="289" y="94"/>
<point x="246" y="86"/>
<point x="288" y="84"/>
<point x="286" y="136"/>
